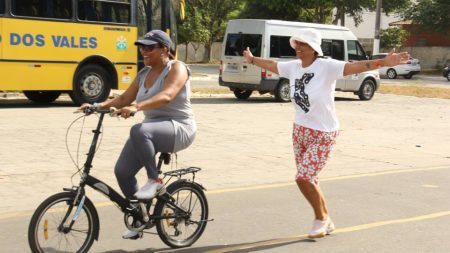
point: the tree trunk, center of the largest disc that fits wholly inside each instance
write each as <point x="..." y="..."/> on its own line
<point x="186" y="55"/>
<point x="208" y="51"/>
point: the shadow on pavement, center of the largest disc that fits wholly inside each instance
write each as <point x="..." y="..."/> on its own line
<point x="25" y="103"/>
<point x="235" y="248"/>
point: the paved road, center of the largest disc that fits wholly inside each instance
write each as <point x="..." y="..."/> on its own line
<point x="392" y="212"/>
<point x="247" y="144"/>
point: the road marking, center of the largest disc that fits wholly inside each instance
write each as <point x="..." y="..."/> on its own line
<point x="7" y="215"/>
<point x="337" y="231"/>
<point x="372" y="174"/>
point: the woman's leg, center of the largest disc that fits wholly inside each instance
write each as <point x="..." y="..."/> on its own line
<point x="127" y="166"/>
<point x="314" y="195"/>
<point x="312" y="149"/>
<point x="149" y="138"/>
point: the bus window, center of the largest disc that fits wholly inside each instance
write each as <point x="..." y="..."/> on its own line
<point x="105" y="11"/>
<point x="280" y="47"/>
<point x="2" y="7"/>
<point x="148" y="8"/>
<point x="60" y="9"/>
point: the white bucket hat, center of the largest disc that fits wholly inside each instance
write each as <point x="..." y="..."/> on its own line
<point x="309" y="36"/>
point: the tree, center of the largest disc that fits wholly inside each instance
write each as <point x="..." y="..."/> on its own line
<point x="316" y="11"/>
<point x="191" y="29"/>
<point x="355" y="8"/>
<point x="432" y="15"/>
<point x="211" y="16"/>
<point x="393" y="37"/>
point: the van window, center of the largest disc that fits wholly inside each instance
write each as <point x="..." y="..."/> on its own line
<point x="237" y="42"/>
<point x="333" y="49"/>
<point x="61" y="9"/>
<point x="280" y="47"/>
<point x="355" y="51"/>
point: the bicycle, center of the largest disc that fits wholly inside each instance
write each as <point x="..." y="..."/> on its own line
<point x="69" y="221"/>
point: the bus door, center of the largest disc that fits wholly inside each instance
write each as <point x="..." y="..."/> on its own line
<point x="155" y="14"/>
<point x="2" y="12"/>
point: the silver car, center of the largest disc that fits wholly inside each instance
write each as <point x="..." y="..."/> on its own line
<point x="407" y="70"/>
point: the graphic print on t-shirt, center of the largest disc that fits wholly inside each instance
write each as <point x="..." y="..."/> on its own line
<point x="300" y="97"/>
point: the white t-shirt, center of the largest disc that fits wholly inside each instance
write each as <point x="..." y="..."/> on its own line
<point x="312" y="91"/>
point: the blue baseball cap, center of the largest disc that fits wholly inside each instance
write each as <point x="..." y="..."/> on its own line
<point x="155" y="37"/>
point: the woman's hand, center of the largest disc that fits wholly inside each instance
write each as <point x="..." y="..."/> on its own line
<point x="83" y="107"/>
<point x="393" y="59"/>
<point x="248" y="56"/>
<point x="124" y="112"/>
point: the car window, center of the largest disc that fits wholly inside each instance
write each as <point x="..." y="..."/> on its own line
<point x="237" y="42"/>
<point x="378" y="56"/>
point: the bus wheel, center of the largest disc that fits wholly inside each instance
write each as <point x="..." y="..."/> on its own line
<point x="282" y="91"/>
<point x="92" y="84"/>
<point x="41" y="97"/>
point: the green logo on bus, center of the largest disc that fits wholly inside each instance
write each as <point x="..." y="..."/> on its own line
<point x="121" y="43"/>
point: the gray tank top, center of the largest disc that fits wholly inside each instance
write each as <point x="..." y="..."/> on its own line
<point x="179" y="110"/>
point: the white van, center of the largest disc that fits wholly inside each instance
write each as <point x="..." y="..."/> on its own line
<point x="270" y="39"/>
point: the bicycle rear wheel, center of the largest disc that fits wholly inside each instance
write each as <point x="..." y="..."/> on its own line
<point x="177" y="231"/>
<point x="48" y="230"/>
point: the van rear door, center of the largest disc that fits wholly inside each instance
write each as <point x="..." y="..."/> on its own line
<point x="234" y="69"/>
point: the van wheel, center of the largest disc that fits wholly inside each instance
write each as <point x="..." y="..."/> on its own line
<point x="283" y="90"/>
<point x="242" y="94"/>
<point x="42" y="97"/>
<point x="367" y="90"/>
<point x="391" y="74"/>
<point x="91" y="84"/>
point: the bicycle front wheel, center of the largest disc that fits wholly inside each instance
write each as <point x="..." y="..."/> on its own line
<point x="50" y="229"/>
<point x="181" y="229"/>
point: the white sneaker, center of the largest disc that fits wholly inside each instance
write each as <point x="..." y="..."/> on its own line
<point x="128" y="234"/>
<point x="321" y="228"/>
<point x="330" y="227"/>
<point x="150" y="190"/>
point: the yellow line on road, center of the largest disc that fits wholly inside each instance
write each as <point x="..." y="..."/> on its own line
<point x="7" y="215"/>
<point x="372" y="174"/>
<point x="281" y="241"/>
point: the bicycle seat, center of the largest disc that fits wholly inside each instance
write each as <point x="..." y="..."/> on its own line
<point x="165" y="157"/>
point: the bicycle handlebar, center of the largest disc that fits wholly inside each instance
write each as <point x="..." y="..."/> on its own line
<point x="93" y="109"/>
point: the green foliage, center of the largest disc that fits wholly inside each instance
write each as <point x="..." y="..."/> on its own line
<point x="191" y="29"/>
<point x="316" y="11"/>
<point x="206" y="20"/>
<point x="393" y="37"/>
<point x="433" y="15"/>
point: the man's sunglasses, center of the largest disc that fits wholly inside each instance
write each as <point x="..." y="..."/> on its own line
<point x="148" y="48"/>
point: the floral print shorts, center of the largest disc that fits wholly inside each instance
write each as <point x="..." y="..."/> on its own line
<point x="312" y="149"/>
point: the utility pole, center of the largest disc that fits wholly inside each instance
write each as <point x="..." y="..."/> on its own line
<point x="376" y="41"/>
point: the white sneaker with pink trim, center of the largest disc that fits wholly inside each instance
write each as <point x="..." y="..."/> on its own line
<point x="321" y="228"/>
<point x="150" y="189"/>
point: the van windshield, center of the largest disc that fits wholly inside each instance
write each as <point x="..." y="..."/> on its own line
<point x="237" y="42"/>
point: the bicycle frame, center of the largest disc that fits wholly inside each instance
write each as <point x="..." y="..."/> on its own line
<point x="98" y="185"/>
